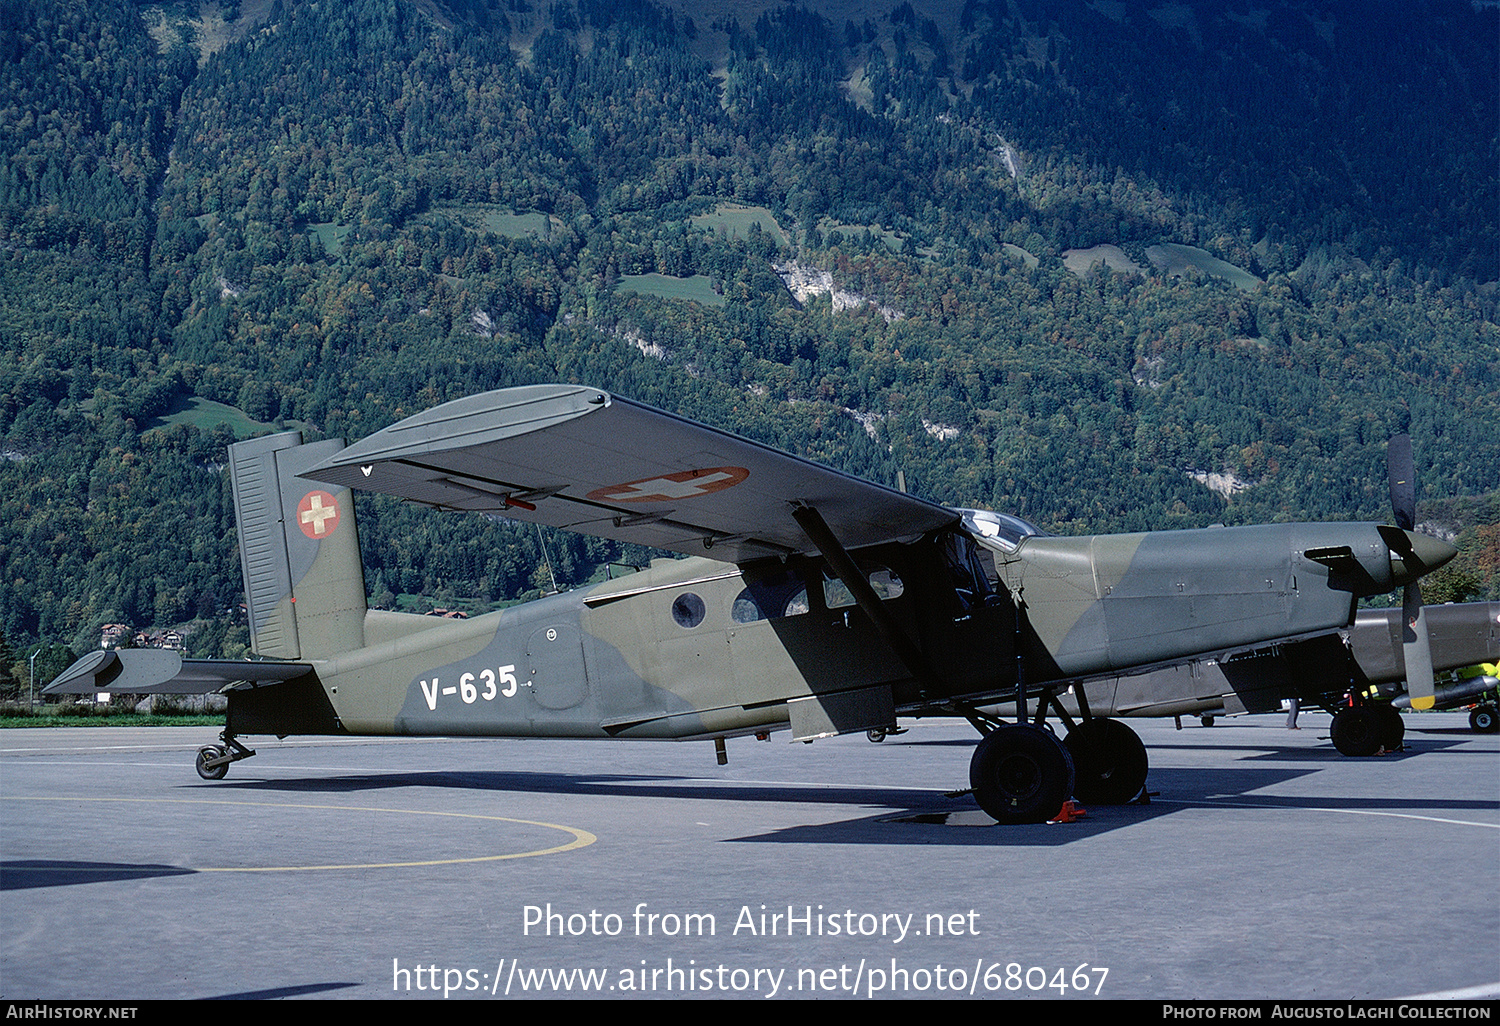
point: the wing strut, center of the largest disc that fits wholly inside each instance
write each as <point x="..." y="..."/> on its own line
<point x="842" y="564"/>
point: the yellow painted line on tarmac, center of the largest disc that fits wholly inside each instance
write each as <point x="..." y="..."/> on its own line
<point x="581" y="838"/>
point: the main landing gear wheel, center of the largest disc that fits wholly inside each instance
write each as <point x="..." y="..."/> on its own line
<point x="1482" y="719"/>
<point x="1109" y="760"/>
<point x="1392" y="726"/>
<point x="207" y="754"/>
<point x="1357" y="730"/>
<point x="1021" y="774"/>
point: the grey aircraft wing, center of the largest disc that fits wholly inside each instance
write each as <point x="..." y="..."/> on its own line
<point x="581" y="459"/>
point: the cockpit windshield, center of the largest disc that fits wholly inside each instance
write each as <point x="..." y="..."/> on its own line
<point x="999" y="531"/>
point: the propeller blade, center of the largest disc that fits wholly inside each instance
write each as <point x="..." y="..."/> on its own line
<point x="1403" y="477"/>
<point x="1416" y="643"/>
<point x="1416" y="648"/>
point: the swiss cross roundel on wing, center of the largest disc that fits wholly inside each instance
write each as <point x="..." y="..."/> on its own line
<point x="685" y="484"/>
<point x="317" y="515"/>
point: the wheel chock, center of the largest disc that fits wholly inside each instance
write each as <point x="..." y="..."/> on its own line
<point x="1069" y="812"/>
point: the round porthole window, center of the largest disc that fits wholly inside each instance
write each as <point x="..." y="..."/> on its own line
<point x="688" y="610"/>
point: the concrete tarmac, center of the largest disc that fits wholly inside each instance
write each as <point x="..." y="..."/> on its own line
<point x="1265" y="866"/>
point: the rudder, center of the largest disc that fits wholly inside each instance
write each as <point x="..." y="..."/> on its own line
<point x="299" y="550"/>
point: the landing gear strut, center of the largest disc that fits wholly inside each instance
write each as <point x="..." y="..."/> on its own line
<point x="213" y="760"/>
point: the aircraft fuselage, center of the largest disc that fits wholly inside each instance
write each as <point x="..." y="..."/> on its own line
<point x="693" y="648"/>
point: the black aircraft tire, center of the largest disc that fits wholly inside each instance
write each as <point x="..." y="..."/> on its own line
<point x="1021" y="774"/>
<point x="1356" y="730"/>
<point x="1483" y="719"/>
<point x="1109" y="760"/>
<point x="217" y="772"/>
<point x="1392" y="726"/>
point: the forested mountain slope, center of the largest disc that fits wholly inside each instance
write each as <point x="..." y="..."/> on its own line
<point x="1103" y="265"/>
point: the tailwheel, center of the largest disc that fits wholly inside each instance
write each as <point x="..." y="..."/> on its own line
<point x="1021" y="774"/>
<point x="213" y="762"/>
<point x="1482" y="719"/>
<point x="1357" y="730"/>
<point x="1110" y="762"/>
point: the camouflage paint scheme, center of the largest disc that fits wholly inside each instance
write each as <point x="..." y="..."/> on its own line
<point x="771" y="622"/>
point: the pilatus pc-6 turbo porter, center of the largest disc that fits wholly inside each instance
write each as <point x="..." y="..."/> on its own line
<point x="811" y="600"/>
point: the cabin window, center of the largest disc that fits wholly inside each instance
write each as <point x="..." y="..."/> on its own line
<point x="771" y="598"/>
<point x="886" y="583"/>
<point x="688" y="610"/>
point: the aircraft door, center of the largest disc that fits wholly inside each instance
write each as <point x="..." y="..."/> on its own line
<point x="788" y="643"/>
<point x="555" y="671"/>
<point x="969" y="626"/>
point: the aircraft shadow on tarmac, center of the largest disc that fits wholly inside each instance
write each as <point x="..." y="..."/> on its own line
<point x="622" y="785"/>
<point x="883" y="815"/>
<point x="23" y="874"/>
<point x="888" y="815"/>
<point x="1416" y="745"/>
<point x="275" y="993"/>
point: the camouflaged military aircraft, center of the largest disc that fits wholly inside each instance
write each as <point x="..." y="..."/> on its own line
<point x="811" y="600"/>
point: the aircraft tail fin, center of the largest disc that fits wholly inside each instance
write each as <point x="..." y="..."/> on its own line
<point x="299" y="549"/>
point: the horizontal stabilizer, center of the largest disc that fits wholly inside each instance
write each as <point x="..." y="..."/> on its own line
<point x="156" y="671"/>
<point x="583" y="460"/>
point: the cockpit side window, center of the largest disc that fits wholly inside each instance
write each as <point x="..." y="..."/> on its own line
<point x="970" y="582"/>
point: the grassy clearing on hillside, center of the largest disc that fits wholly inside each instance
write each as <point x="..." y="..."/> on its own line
<point x="892" y="242"/>
<point x="1020" y="254"/>
<point x="1169" y="258"/>
<point x="699" y="288"/>
<point x="497" y="219"/>
<point x="205" y="415"/>
<point x="331" y="236"/>
<point x="1080" y="260"/>
<point x="513" y="225"/>
<point x="1175" y="258"/>
<point x="735" y="220"/>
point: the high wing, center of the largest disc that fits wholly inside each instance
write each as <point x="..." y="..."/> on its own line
<point x="581" y="459"/>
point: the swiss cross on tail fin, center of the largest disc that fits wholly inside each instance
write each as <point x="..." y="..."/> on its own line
<point x="317" y="515"/>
